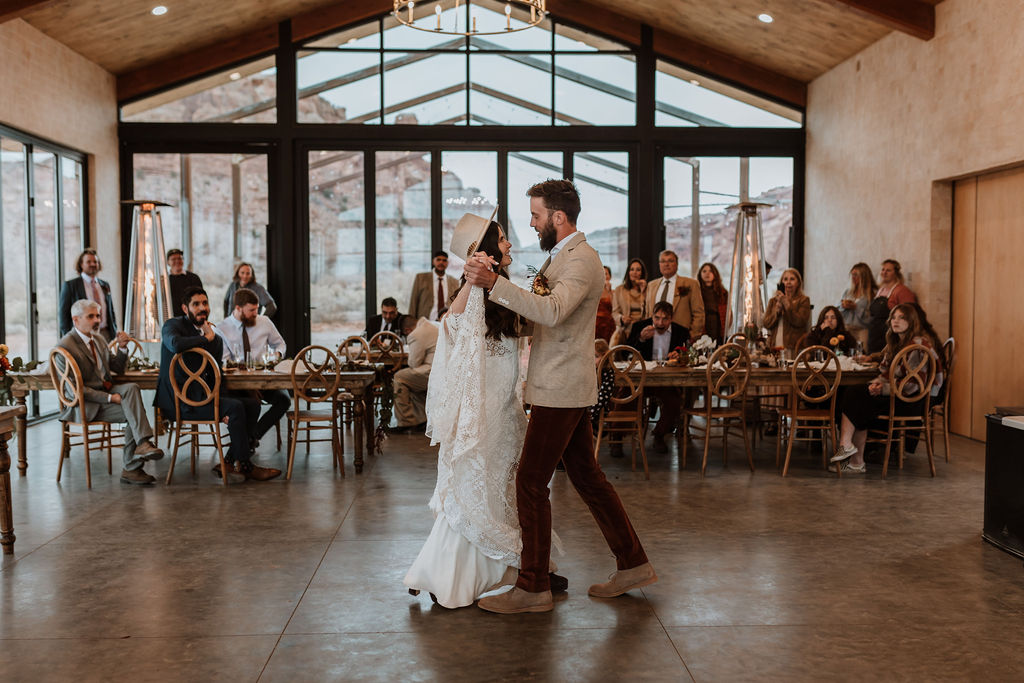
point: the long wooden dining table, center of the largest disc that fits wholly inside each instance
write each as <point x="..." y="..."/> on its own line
<point x="676" y="376"/>
<point x="356" y="383"/>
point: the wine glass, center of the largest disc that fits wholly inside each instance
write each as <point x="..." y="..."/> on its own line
<point x="268" y="357"/>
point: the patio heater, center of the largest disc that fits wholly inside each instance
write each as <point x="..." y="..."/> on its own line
<point x="748" y="293"/>
<point x="148" y="304"/>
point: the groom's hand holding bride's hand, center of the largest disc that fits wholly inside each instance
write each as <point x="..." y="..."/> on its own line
<point x="478" y="270"/>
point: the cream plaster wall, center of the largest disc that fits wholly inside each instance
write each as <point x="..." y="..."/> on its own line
<point x="887" y="128"/>
<point x="51" y="91"/>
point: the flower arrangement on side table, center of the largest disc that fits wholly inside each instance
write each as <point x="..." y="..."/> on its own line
<point x="9" y="366"/>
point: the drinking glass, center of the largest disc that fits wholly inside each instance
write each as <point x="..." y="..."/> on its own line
<point x="236" y="356"/>
<point x="659" y="357"/>
<point x="269" y="356"/>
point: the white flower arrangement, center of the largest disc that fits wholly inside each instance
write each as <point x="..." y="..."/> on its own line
<point x="701" y="350"/>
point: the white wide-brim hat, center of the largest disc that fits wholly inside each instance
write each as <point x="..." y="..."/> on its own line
<point x="468" y="233"/>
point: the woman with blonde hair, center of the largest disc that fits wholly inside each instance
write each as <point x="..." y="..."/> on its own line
<point x="856" y="300"/>
<point x="788" y="314"/>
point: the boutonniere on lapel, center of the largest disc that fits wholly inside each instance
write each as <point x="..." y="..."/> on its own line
<point x="682" y="291"/>
<point x="104" y="286"/>
<point x="539" y="283"/>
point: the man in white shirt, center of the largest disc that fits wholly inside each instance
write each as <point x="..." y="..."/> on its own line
<point x="411" y="383"/>
<point x="432" y="291"/>
<point x="245" y="331"/>
<point x="682" y="293"/>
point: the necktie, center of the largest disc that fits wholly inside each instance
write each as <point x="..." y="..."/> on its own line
<point x="95" y="358"/>
<point x="97" y="296"/>
<point x="440" y="294"/>
<point x="245" y="342"/>
<point x="664" y="292"/>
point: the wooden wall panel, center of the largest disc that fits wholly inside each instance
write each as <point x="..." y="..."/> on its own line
<point x="965" y="193"/>
<point x="998" y="304"/>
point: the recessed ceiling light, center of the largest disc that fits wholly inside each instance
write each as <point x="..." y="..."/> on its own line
<point x="159" y="10"/>
<point x="351" y="40"/>
<point x="694" y="81"/>
<point x="235" y="76"/>
<point x="765" y="18"/>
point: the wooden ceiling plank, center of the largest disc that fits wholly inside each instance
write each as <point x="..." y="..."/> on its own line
<point x="12" y="9"/>
<point x="716" y="63"/>
<point x="599" y="18"/>
<point x="336" y="16"/>
<point x="197" y="62"/>
<point x="913" y="17"/>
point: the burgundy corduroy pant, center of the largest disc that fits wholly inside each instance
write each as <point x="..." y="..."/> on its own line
<point x="564" y="434"/>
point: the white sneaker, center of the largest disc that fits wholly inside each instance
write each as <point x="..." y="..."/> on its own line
<point x="843" y="453"/>
<point x="849" y="468"/>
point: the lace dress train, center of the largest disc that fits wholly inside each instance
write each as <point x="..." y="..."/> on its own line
<point x="476" y="536"/>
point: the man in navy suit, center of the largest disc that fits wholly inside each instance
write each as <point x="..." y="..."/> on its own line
<point x="88" y="286"/>
<point x="655" y="338"/>
<point x="193" y="330"/>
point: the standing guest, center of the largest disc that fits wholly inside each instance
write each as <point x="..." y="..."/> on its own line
<point x="105" y="400"/>
<point x="863" y="403"/>
<point x="191" y="331"/>
<point x="682" y="293"/>
<point x="629" y="300"/>
<point x="716" y="301"/>
<point x="655" y="339"/>
<point x="891" y="292"/>
<point x="386" y="321"/>
<point x="179" y="278"/>
<point x="830" y="326"/>
<point x="411" y="382"/>
<point x="605" y="325"/>
<point x="856" y="300"/>
<point x="88" y="286"/>
<point x="245" y="332"/>
<point x="788" y="315"/>
<point x="431" y="290"/>
<point x="245" y="278"/>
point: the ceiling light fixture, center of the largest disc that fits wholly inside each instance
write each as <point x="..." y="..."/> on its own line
<point x="765" y="18"/>
<point x="235" y="76"/>
<point x="159" y="10"/>
<point x="694" y="81"/>
<point x="529" y="13"/>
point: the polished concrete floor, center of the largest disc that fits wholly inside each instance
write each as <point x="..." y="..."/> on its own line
<point x="762" y="578"/>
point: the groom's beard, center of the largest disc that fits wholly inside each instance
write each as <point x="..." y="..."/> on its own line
<point x="548" y="236"/>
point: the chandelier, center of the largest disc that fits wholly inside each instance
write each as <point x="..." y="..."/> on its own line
<point x="519" y="15"/>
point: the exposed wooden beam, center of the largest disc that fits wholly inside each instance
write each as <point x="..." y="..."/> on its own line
<point x="913" y="17"/>
<point x="716" y="63"/>
<point x="221" y="54"/>
<point x="12" y="9"/>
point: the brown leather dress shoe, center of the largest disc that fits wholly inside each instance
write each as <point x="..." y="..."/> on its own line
<point x="258" y="473"/>
<point x="517" y="601"/>
<point x="234" y="477"/>
<point x="624" y="580"/>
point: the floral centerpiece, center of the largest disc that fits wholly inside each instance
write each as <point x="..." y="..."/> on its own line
<point x="8" y="366"/>
<point x="700" y="350"/>
<point x="834" y="343"/>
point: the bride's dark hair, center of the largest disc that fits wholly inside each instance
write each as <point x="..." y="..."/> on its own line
<point x="501" y="322"/>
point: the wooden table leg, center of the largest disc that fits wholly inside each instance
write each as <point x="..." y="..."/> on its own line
<point x="6" y="514"/>
<point x="358" y="416"/>
<point x="20" y="423"/>
<point x="369" y="420"/>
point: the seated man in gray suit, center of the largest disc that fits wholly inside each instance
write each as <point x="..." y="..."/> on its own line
<point x="411" y="382"/>
<point x="107" y="401"/>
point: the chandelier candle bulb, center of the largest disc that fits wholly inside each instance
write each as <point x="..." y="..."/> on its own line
<point x="412" y="6"/>
<point x="508" y="17"/>
<point x="437" y="11"/>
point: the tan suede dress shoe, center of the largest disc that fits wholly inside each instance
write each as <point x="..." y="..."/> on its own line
<point x="517" y="601"/>
<point x="624" y="580"/>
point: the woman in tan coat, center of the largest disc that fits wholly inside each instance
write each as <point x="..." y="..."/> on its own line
<point x="629" y="303"/>
<point x="788" y="312"/>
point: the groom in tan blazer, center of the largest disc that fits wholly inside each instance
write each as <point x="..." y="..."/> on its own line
<point x="560" y="386"/>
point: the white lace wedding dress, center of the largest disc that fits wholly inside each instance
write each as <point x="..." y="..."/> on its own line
<point x="476" y="535"/>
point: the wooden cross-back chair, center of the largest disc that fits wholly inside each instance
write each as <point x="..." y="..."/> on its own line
<point x="195" y="429"/>
<point x="625" y="411"/>
<point x="315" y="381"/>
<point x="386" y="348"/>
<point x="134" y="348"/>
<point x="812" y="403"/>
<point x="762" y="399"/>
<point x="354" y="349"/>
<point x="910" y="381"/>
<point x="67" y="380"/>
<point x="940" y="409"/>
<point x="726" y="379"/>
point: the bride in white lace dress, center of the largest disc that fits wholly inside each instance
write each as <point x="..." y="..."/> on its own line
<point x="475" y="543"/>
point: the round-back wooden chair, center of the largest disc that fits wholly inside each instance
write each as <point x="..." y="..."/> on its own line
<point x="624" y="413"/>
<point x="206" y="394"/>
<point x="726" y="379"/>
<point x="134" y="348"/>
<point x="354" y="349"/>
<point x="940" y="409"/>
<point x="812" y="403"/>
<point x="67" y="380"/>
<point x="911" y="376"/>
<point x="315" y="381"/>
<point x="386" y="348"/>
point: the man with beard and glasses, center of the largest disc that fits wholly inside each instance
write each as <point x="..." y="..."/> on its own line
<point x="105" y="400"/>
<point x="561" y="385"/>
<point x="246" y="331"/>
<point x="193" y="330"/>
